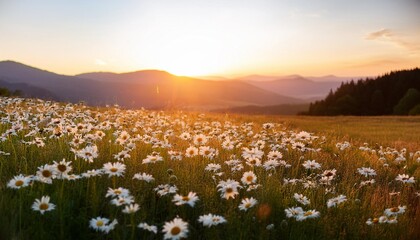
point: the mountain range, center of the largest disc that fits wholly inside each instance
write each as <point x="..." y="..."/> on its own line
<point x="159" y="89"/>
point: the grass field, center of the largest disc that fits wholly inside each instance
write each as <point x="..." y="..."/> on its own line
<point x="154" y="175"/>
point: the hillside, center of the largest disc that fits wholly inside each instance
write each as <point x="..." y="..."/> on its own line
<point x="296" y="85"/>
<point x="393" y="93"/>
<point x="149" y="89"/>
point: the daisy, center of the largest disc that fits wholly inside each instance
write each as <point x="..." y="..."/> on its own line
<point x="302" y="199"/>
<point x="200" y="139"/>
<point x="208" y="152"/>
<point x="92" y="173"/>
<point x="153" y="158"/>
<point x="102" y="224"/>
<point x="46" y="174"/>
<point x="394" y="211"/>
<point x="191" y="151"/>
<point x="98" y="223"/>
<point x="292" y="181"/>
<point x="43" y="205"/>
<point x="366" y="171"/>
<point x="175" y="229"/>
<point x="252" y="153"/>
<point x="228" y="189"/>
<point x="147" y="227"/>
<point x="122" y="155"/>
<point x="308" y="214"/>
<point x="367" y="182"/>
<point x="122" y="200"/>
<point x="311" y="164"/>
<point x="175" y="155"/>
<point x="88" y="153"/>
<point x="144" y="176"/>
<point x="72" y="177"/>
<point x="253" y="161"/>
<point x="404" y="178"/>
<point x="274" y="155"/>
<point x="164" y="189"/>
<point x="124" y="136"/>
<point x="209" y="220"/>
<point x="114" y="169"/>
<point x="373" y="221"/>
<point x="333" y="202"/>
<point x="185" y="136"/>
<point x="132" y="208"/>
<point x="247" y="203"/>
<point x="62" y="168"/>
<point x="190" y="199"/>
<point x="248" y="178"/>
<point x="293" y="212"/>
<point x="19" y="181"/>
<point x="117" y="192"/>
<point x="271" y="164"/>
<point x="329" y="174"/>
<point x="213" y="167"/>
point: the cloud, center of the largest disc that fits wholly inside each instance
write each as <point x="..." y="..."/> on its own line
<point x="383" y="33"/>
<point x="100" y="62"/>
<point x="386" y="35"/>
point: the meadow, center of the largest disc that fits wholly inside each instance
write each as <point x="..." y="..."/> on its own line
<point x="68" y="171"/>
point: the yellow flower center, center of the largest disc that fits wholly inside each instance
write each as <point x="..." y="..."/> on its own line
<point x="46" y="173"/>
<point x="394" y="209"/>
<point x="308" y="213"/>
<point x="43" y="206"/>
<point x="175" y="230"/>
<point x="118" y="192"/>
<point x="62" y="168"/>
<point x="247" y="205"/>
<point x="18" y="183"/>
<point x="229" y="190"/>
<point x="185" y="198"/>
<point x="249" y="178"/>
<point x="99" y="223"/>
<point x="113" y="169"/>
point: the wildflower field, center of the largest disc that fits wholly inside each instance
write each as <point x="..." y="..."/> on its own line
<point x="69" y="171"/>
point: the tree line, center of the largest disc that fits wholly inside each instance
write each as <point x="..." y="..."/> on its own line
<point x="395" y="93"/>
<point x="4" y="92"/>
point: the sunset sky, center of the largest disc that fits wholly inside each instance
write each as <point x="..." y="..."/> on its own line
<point x="217" y="37"/>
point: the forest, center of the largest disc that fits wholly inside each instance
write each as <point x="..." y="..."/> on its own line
<point x="395" y="93"/>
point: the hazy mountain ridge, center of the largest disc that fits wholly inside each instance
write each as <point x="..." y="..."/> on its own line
<point x="150" y="89"/>
<point x="296" y="85"/>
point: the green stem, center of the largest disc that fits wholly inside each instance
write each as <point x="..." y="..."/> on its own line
<point x="133" y="227"/>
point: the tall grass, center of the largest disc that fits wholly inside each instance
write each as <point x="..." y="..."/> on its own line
<point x="78" y="201"/>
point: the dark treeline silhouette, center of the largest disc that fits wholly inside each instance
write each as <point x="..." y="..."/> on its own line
<point x="397" y="93"/>
<point x="4" y="92"/>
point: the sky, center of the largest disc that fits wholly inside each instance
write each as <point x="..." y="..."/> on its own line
<point x="213" y="38"/>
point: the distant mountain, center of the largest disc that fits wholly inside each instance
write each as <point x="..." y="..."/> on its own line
<point x="296" y="85"/>
<point x="140" y="77"/>
<point x="397" y="93"/>
<point x="150" y="89"/>
<point x="28" y="90"/>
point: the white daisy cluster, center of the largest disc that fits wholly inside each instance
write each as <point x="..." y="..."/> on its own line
<point x="237" y="162"/>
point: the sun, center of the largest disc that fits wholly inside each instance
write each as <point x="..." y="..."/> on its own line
<point x="190" y="56"/>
